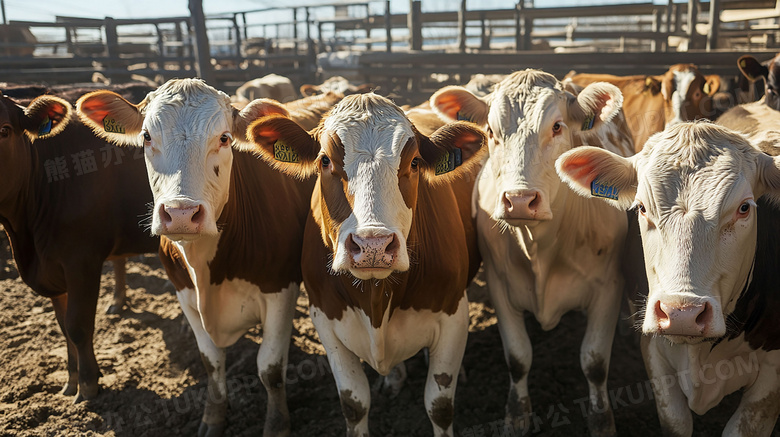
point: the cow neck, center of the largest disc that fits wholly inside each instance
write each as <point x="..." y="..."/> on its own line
<point x="260" y="227"/>
<point x="757" y="311"/>
<point x="20" y="212"/>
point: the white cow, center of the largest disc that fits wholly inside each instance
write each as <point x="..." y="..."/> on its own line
<point x="545" y="249"/>
<point x="711" y="255"/>
<point x="232" y="248"/>
<point x="270" y="86"/>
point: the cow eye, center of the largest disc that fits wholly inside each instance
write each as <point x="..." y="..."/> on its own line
<point x="415" y="163"/>
<point x="147" y="138"/>
<point x="490" y="132"/>
<point x="224" y="140"/>
<point x="557" y="128"/>
<point x="641" y="208"/>
<point x="5" y="131"/>
<point x="325" y="161"/>
<point x="743" y="210"/>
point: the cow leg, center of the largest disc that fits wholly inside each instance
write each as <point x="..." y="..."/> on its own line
<point x="120" y="287"/>
<point x="518" y="353"/>
<point x="60" y="309"/>
<point x="394" y="381"/>
<point x="445" y="359"/>
<point x="272" y="358"/>
<point x="83" y="289"/>
<point x="759" y="407"/>
<point x="213" y="421"/>
<point x="670" y="401"/>
<point x="595" y="353"/>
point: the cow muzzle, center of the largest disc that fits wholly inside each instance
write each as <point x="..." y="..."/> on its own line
<point x="180" y="221"/>
<point x="691" y="320"/>
<point x="374" y="255"/>
<point x="522" y="206"/>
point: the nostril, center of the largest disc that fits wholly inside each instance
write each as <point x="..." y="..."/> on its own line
<point x="535" y="201"/>
<point x="394" y="245"/>
<point x="507" y="202"/>
<point x="705" y="316"/>
<point x="353" y="247"/>
<point x="661" y="315"/>
<point x="164" y="216"/>
<point x="198" y="217"/>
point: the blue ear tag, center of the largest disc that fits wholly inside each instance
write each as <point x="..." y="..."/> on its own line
<point x="604" y="190"/>
<point x="449" y="161"/>
<point x="588" y="123"/>
<point x="462" y="117"/>
<point x="45" y="127"/>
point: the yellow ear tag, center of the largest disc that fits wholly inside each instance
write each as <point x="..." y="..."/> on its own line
<point x="284" y="153"/>
<point x="449" y="162"/>
<point x="110" y="125"/>
<point x="706" y="88"/>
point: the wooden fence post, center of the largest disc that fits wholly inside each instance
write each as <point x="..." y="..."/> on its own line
<point x="202" y="50"/>
<point x="388" y="28"/>
<point x="693" y="16"/>
<point x="462" y="26"/>
<point x="414" y="22"/>
<point x="712" y="36"/>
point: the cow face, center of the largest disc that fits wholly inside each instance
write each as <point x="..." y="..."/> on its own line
<point x="754" y="70"/>
<point x="370" y="160"/>
<point x="695" y="187"/>
<point x="44" y="116"/>
<point x="687" y="94"/>
<point x="186" y="129"/>
<point x="530" y="121"/>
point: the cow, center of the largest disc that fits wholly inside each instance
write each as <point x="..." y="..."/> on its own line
<point x="68" y="202"/>
<point x="389" y="245"/>
<point x="270" y="86"/>
<point x="653" y="102"/>
<point x="337" y="84"/>
<point x="231" y="223"/>
<point x="711" y="250"/>
<point x="754" y="70"/>
<point x="482" y="84"/>
<point x="308" y="111"/>
<point x="545" y="249"/>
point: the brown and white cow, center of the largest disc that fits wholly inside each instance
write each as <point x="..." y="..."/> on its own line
<point x="651" y="103"/>
<point x="68" y="202"/>
<point x="545" y="249"/>
<point x="235" y="223"/>
<point x="336" y="84"/>
<point x="754" y="70"/>
<point x="389" y="246"/>
<point x="711" y="249"/>
<point x="308" y="111"/>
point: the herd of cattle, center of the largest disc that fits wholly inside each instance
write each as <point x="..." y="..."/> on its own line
<point x="385" y="215"/>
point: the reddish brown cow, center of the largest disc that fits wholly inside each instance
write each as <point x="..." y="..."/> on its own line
<point x="68" y="202"/>
<point x="389" y="246"/>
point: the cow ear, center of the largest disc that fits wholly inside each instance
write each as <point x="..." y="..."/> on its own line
<point x="456" y="103"/>
<point x="255" y="109"/>
<point x="595" y="172"/>
<point x="365" y="88"/>
<point x="451" y="151"/>
<point x="46" y="116"/>
<point x="111" y="117"/>
<point x="751" y="68"/>
<point x="308" y="90"/>
<point x="595" y="105"/>
<point x="712" y="84"/>
<point x="667" y="86"/>
<point x="284" y="145"/>
<point x="768" y="165"/>
<point x="653" y="85"/>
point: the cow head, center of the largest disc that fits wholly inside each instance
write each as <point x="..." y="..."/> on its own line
<point x="530" y="121"/>
<point x="44" y="116"/>
<point x="754" y="70"/>
<point x="336" y="84"/>
<point x="695" y="187"/>
<point x="370" y="160"/>
<point x="187" y="129"/>
<point x="687" y="93"/>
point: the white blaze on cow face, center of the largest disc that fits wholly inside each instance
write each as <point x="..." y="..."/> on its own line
<point x="187" y="138"/>
<point x="695" y="186"/>
<point x="682" y="82"/>
<point x="373" y="136"/>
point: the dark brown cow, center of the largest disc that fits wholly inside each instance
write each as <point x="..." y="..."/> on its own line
<point x="754" y="70"/>
<point x="389" y="246"/>
<point x="68" y="202"/>
<point x="230" y="221"/>
<point x="651" y="103"/>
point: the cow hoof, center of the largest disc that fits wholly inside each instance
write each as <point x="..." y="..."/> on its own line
<point x="70" y="389"/>
<point x="213" y="430"/>
<point x="86" y="392"/>
<point x="114" y="309"/>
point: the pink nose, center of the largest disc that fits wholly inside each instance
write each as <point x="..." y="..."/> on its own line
<point x="372" y="252"/>
<point x="181" y="220"/>
<point x="689" y="320"/>
<point x="522" y="205"/>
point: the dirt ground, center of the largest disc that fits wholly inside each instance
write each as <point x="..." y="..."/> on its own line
<point x="153" y="381"/>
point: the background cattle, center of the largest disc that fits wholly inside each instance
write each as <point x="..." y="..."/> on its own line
<point x="711" y="254"/>
<point x="389" y="245"/>
<point x="546" y="250"/>
<point x="270" y="86"/>
<point x="69" y="202"/>
<point x="225" y="227"/>
<point x="336" y="84"/>
<point x="754" y="71"/>
<point x="652" y="102"/>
